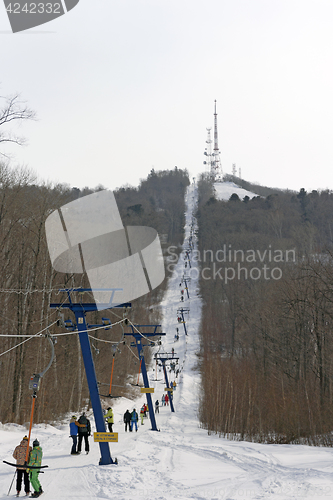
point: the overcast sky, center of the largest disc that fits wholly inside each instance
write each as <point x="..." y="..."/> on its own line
<point x="121" y="86"/>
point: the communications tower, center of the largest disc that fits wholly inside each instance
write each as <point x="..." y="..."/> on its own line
<point x="208" y="152"/>
<point x="216" y="169"/>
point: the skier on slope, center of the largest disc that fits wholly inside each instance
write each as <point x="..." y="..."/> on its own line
<point x="142" y="414"/>
<point x="35" y="460"/>
<point x="73" y="429"/>
<point x="134" y="420"/>
<point x="109" y="418"/>
<point x="127" y="420"/>
<point x="84" y="432"/>
<point x="19" y="454"/>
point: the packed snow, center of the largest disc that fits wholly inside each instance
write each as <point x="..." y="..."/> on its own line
<point x="224" y="190"/>
<point x="180" y="460"/>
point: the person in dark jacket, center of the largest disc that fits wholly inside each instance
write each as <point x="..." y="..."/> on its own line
<point x="35" y="461"/>
<point x="84" y="432"/>
<point x="73" y="429"/>
<point x="127" y="420"/>
<point x="20" y="454"/>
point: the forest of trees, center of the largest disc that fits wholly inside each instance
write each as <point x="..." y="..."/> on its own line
<point x="29" y="284"/>
<point x="267" y="324"/>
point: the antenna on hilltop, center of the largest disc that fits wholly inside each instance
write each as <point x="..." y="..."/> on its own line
<point x="213" y="161"/>
<point x="216" y="167"/>
<point x="208" y="151"/>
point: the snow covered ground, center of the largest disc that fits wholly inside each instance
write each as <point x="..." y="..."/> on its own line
<point x="225" y="189"/>
<point x="181" y="461"/>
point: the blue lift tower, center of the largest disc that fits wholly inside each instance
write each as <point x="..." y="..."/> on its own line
<point x="163" y="358"/>
<point x="80" y="309"/>
<point x="181" y="312"/>
<point x="139" y="337"/>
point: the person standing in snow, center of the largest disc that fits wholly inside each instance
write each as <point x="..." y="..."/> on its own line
<point x="35" y="460"/>
<point x="166" y="399"/>
<point x="157" y="406"/>
<point x="73" y="429"/>
<point x="142" y="413"/>
<point x="84" y="432"/>
<point x="19" y="454"/>
<point x="109" y="418"/>
<point x="163" y="400"/>
<point x="127" y="420"/>
<point x="134" y="420"/>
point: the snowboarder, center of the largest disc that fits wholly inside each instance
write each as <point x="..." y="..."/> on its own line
<point x="127" y="420"/>
<point x="109" y="418"/>
<point x="134" y="420"/>
<point x="157" y="406"/>
<point x="142" y="413"/>
<point x="84" y="432"/>
<point x="35" y="460"/>
<point x="163" y="400"/>
<point x="19" y="454"/>
<point x="166" y="399"/>
<point x="73" y="429"/>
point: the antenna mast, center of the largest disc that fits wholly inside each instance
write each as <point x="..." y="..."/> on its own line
<point x="216" y="167"/>
<point x="208" y="152"/>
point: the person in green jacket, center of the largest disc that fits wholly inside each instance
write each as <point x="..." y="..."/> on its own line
<point x="109" y="418"/>
<point x="35" y="460"/>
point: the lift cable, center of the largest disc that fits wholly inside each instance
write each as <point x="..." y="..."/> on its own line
<point x="30" y="337"/>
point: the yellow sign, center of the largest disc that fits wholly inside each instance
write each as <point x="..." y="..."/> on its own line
<point x="102" y="437"/>
<point x="168" y="389"/>
<point x="147" y="389"/>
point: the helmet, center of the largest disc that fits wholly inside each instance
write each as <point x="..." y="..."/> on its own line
<point x="25" y="438"/>
<point x="35" y="443"/>
<point x="74" y="416"/>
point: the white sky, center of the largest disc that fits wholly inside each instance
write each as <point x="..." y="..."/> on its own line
<point x="124" y="85"/>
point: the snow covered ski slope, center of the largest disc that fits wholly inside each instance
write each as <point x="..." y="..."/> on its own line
<point x="224" y="190"/>
<point x="181" y="461"/>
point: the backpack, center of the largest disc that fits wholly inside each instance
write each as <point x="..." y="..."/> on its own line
<point x="83" y="420"/>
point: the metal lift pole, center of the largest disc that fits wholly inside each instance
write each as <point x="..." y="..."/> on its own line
<point x="167" y="384"/>
<point x="146" y="382"/>
<point x="80" y="309"/>
<point x="186" y="288"/>
<point x="92" y="382"/>
<point x="182" y="313"/>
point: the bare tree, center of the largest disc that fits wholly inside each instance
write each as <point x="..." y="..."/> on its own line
<point x="12" y="110"/>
